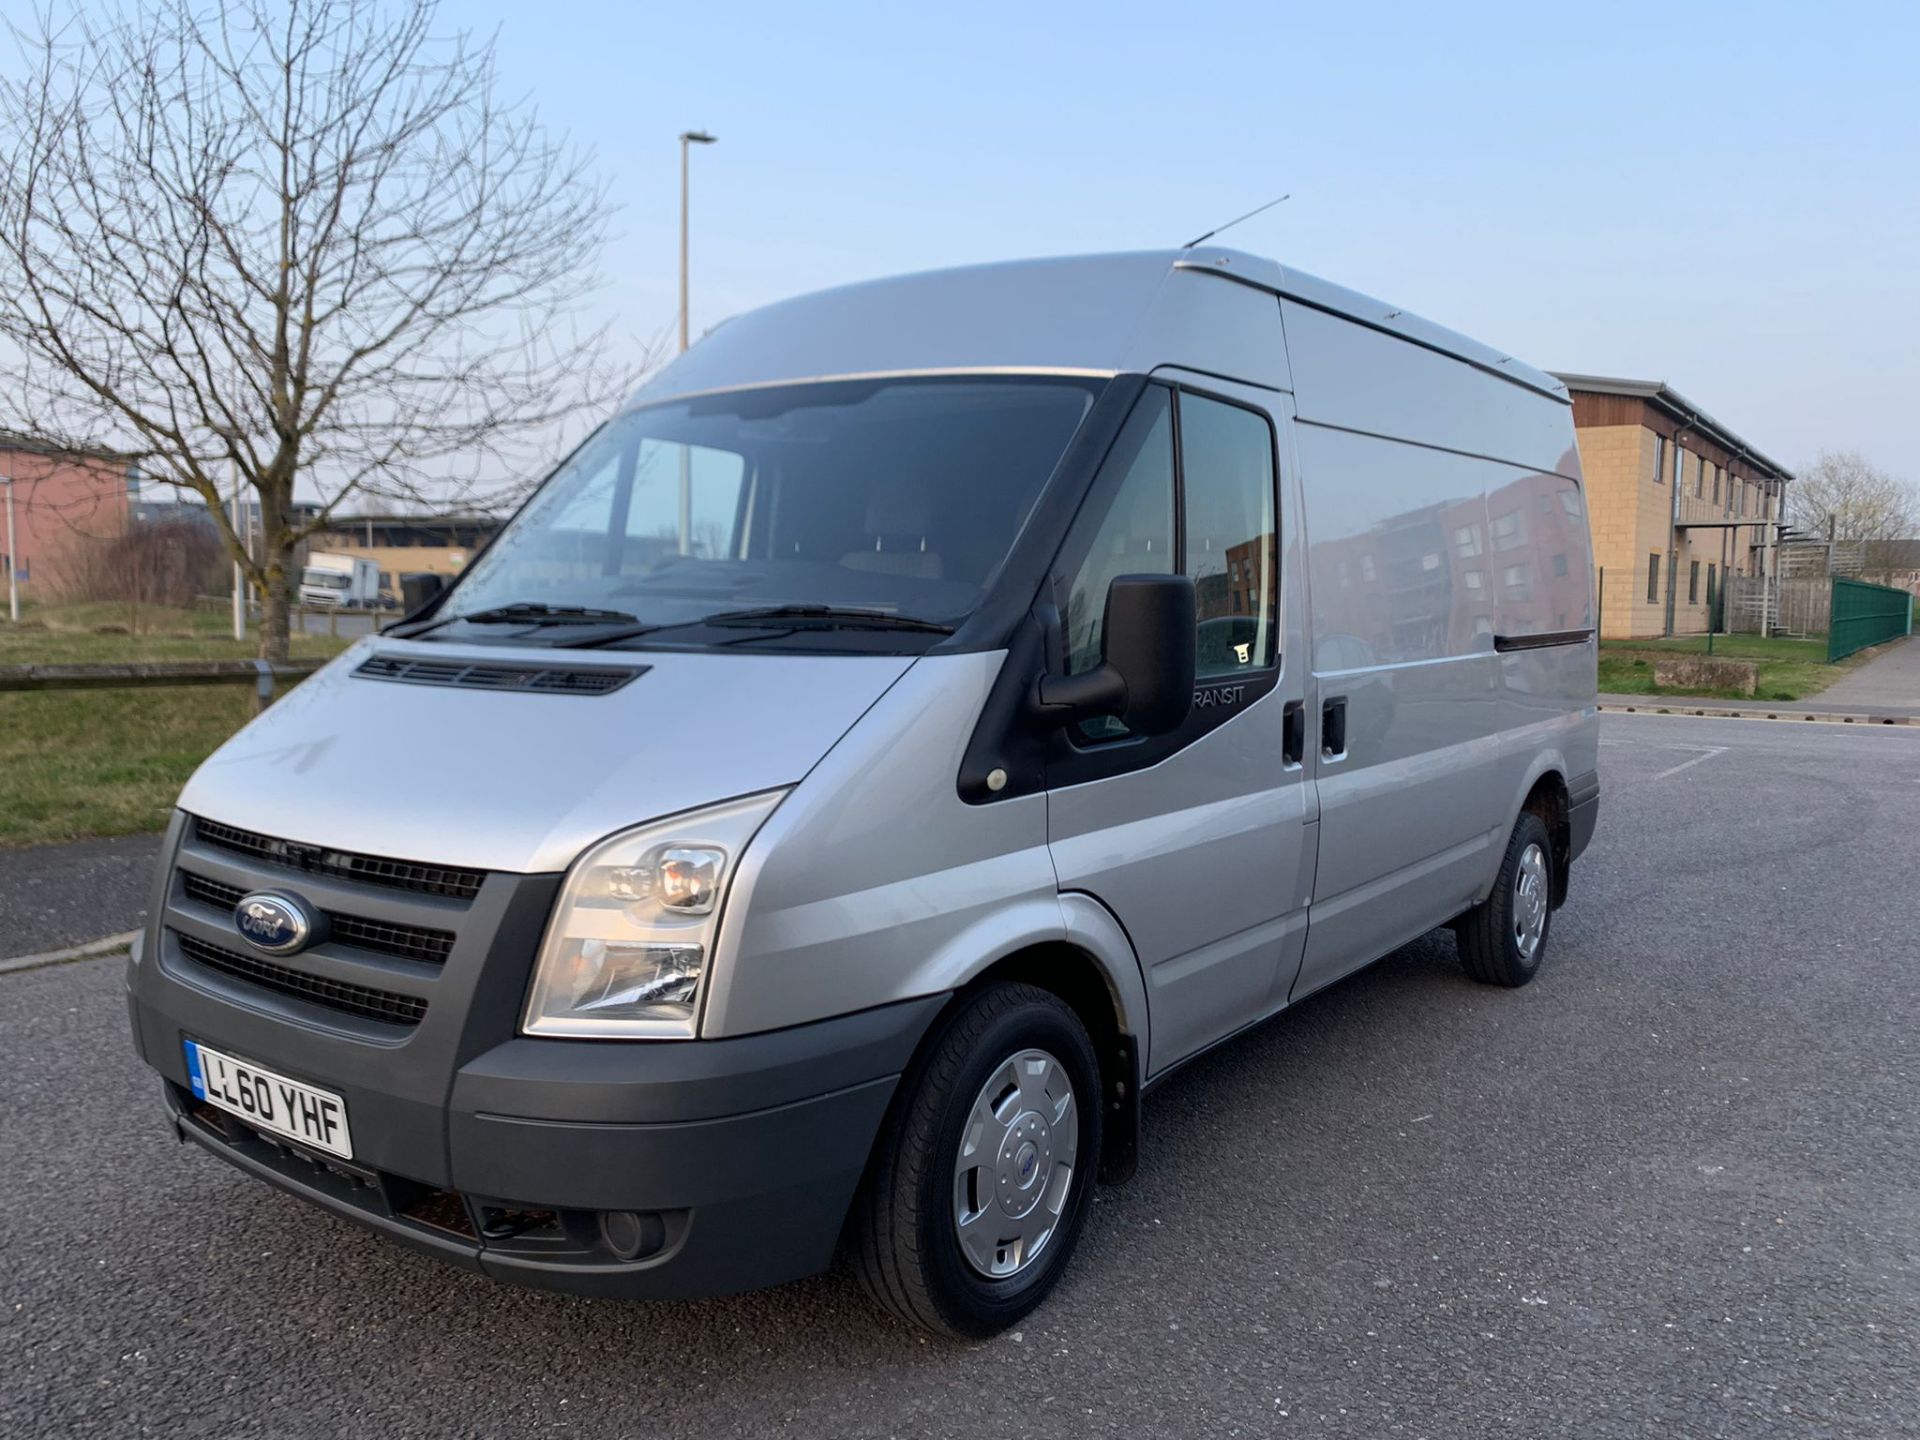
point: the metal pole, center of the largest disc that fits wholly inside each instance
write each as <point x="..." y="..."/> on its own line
<point x="688" y="139"/>
<point x="13" y="554"/>
<point x="239" y="578"/>
<point x="686" y="147"/>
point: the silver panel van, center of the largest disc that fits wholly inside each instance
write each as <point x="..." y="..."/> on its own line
<point x="929" y="713"/>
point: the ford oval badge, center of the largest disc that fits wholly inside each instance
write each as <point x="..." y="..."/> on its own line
<point x="277" y="924"/>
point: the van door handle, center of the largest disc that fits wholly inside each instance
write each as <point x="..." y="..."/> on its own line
<point x="1333" y="728"/>
<point x="1293" y="733"/>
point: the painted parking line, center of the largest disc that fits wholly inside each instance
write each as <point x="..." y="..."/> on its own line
<point x="1707" y="753"/>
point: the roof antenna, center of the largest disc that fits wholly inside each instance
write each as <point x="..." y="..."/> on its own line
<point x="1231" y="223"/>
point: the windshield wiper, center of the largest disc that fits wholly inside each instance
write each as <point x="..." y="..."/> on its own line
<point x="527" y="612"/>
<point x="773" y="617"/>
<point x="831" y="617"/>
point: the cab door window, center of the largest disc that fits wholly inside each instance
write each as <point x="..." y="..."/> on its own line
<point x="1231" y="544"/>
<point x="1134" y="536"/>
<point x="1188" y="489"/>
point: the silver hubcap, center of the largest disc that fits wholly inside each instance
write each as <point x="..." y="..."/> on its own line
<point x="1530" y="901"/>
<point x="1015" y="1168"/>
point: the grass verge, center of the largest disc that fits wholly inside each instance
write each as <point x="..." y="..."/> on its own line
<point x="80" y="763"/>
<point x="1789" y="669"/>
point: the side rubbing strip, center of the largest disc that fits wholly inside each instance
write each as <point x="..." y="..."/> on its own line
<point x="1545" y="641"/>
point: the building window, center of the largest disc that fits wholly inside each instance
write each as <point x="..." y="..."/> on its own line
<point x="1659" y="458"/>
<point x="1560" y="565"/>
<point x="1679" y="467"/>
<point x="1700" y="480"/>
<point x="1693" y="582"/>
<point x="1713" y="575"/>
<point x="1514" y="577"/>
<point x="1716" y="487"/>
<point x="1509" y="531"/>
<point x="1467" y="540"/>
<point x="1366" y="568"/>
<point x="1473" y="579"/>
<point x="1653" y="578"/>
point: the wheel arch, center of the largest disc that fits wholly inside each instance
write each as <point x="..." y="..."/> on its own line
<point x="1548" y="797"/>
<point x="1091" y="966"/>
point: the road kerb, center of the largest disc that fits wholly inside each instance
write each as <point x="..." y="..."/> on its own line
<point x="1712" y="712"/>
<point x="92" y="950"/>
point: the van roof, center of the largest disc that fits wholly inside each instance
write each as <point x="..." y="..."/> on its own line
<point x="1070" y="314"/>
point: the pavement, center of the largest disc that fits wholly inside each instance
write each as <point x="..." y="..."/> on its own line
<point x="1889" y="681"/>
<point x="1671" y="1188"/>
<point x="1886" y="686"/>
<point x="59" y="895"/>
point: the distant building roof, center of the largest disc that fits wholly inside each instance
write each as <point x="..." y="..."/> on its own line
<point x="469" y="518"/>
<point x="46" y="445"/>
<point x="1663" y="396"/>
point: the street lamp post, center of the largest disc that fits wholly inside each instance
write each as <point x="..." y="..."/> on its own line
<point x="688" y="139"/>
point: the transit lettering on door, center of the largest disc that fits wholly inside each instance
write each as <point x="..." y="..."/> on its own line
<point x="1221" y="695"/>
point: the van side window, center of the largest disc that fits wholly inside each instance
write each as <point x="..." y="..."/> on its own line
<point x="1231" y="541"/>
<point x="1135" y="536"/>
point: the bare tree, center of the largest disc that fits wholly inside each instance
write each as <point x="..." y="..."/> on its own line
<point x="286" y="239"/>
<point x="1842" y="497"/>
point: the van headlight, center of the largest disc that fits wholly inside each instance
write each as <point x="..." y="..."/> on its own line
<point x="626" y="952"/>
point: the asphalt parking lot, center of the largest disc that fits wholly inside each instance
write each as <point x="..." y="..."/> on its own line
<point x="1672" y="1188"/>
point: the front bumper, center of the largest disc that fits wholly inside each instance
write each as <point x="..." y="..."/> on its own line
<point x="728" y="1165"/>
<point x="620" y="1168"/>
<point x="1583" y="811"/>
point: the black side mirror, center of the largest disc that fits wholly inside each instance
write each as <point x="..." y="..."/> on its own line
<point x="1147" y="653"/>
<point x="419" y="591"/>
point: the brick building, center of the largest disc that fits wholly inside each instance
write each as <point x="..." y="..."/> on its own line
<point x="61" y="498"/>
<point x="1676" y="501"/>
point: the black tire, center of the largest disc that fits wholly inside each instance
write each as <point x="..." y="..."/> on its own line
<point x="903" y="1232"/>
<point x="1490" y="950"/>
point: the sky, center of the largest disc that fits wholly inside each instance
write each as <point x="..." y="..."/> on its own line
<point x="1724" y="197"/>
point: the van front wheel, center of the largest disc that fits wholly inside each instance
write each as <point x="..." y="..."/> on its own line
<point x="980" y="1182"/>
<point x="1503" y="938"/>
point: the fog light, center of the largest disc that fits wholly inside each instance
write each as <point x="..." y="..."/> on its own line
<point x="630" y="1234"/>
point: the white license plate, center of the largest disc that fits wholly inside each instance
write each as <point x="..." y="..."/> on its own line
<point x="269" y="1101"/>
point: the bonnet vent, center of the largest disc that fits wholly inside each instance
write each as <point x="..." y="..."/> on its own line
<point x="481" y="675"/>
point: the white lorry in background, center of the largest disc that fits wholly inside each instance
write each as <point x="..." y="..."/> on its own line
<point x="339" y="580"/>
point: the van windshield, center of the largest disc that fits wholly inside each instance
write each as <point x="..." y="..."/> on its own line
<point x="891" y="498"/>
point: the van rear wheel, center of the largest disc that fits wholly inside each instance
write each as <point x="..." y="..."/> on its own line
<point x="1503" y="938"/>
<point x="980" y="1182"/>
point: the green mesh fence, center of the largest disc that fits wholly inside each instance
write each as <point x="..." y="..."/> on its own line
<point x="1866" y="615"/>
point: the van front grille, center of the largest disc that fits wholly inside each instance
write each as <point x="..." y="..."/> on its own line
<point x="341" y="864"/>
<point x="410" y="942"/>
<point x="361" y="1000"/>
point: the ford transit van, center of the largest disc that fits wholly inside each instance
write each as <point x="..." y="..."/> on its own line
<point x="929" y="713"/>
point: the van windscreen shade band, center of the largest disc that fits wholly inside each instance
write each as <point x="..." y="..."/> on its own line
<point x="1504" y="643"/>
